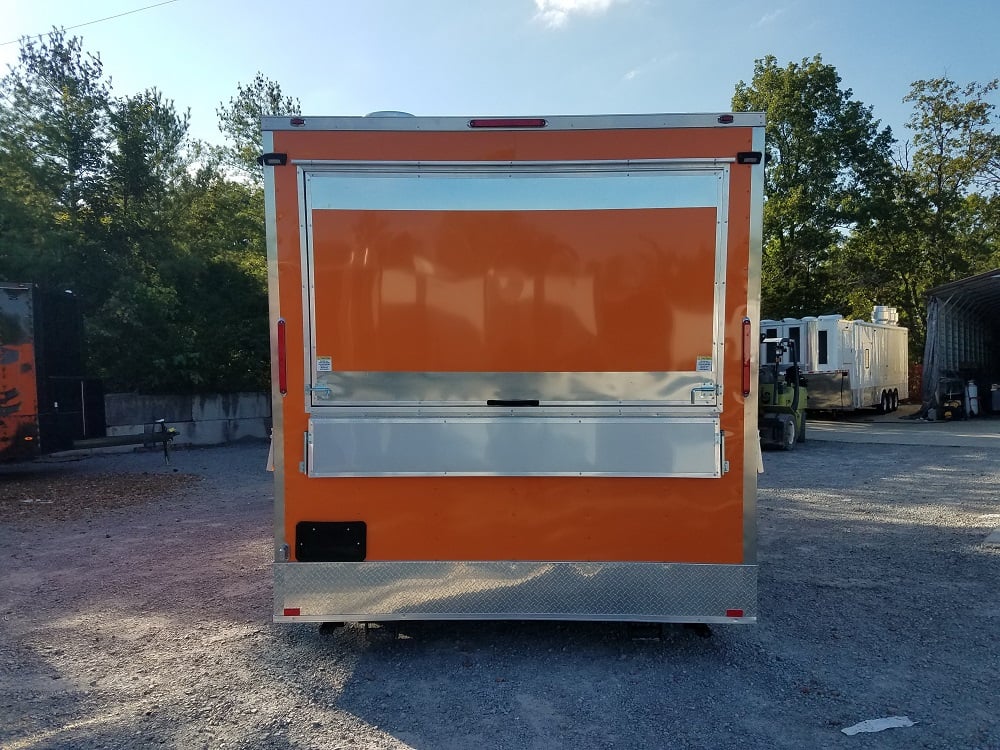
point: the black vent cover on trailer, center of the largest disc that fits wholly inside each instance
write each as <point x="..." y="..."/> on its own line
<point x="330" y="541"/>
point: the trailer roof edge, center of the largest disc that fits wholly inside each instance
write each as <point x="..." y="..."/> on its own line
<point x="556" y="122"/>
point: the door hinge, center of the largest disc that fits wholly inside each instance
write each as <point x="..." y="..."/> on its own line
<point x="706" y="393"/>
<point x="306" y="442"/>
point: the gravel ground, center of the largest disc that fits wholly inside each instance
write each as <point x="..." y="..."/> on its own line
<point x="135" y="605"/>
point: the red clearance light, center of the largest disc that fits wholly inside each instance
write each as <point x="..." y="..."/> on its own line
<point x="282" y="358"/>
<point x="734" y="613"/>
<point x="726" y="119"/>
<point x="296" y="611"/>
<point x="297" y="122"/>
<point x="747" y="343"/>
<point x="510" y="122"/>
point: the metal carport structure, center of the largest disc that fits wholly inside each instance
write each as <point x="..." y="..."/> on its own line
<point x="963" y="337"/>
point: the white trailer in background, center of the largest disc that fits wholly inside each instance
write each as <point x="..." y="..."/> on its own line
<point x="848" y="364"/>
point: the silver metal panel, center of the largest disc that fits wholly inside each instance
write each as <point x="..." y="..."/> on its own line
<point x="561" y="122"/>
<point x="274" y="306"/>
<point x="721" y="264"/>
<point x="515" y="446"/>
<point x="618" y="591"/>
<point x="574" y="411"/>
<point x="308" y="288"/>
<point x="751" y="436"/>
<point x="475" y="388"/>
<point x="829" y="390"/>
<point x="529" y="192"/>
<point x="504" y="186"/>
<point x="511" y="168"/>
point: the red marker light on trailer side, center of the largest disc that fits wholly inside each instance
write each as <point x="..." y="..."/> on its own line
<point x="282" y="359"/>
<point x="746" y="357"/>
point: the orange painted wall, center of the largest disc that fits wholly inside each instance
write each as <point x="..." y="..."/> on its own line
<point x="534" y="291"/>
<point x="528" y="518"/>
<point x="18" y="401"/>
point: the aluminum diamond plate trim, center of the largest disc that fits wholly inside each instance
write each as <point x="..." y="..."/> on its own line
<point x="653" y="592"/>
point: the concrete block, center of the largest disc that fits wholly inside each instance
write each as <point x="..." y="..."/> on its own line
<point x="133" y="408"/>
<point x="209" y="419"/>
<point x="230" y="406"/>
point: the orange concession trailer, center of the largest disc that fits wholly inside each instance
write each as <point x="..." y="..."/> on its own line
<point x="514" y="366"/>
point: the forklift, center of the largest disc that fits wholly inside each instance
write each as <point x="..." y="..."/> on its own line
<point x="782" y="400"/>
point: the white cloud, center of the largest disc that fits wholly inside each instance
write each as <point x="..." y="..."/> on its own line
<point x="652" y="66"/>
<point x="555" y="13"/>
<point x="768" y="18"/>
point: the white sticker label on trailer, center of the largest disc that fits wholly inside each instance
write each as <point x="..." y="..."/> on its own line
<point x="324" y="364"/>
<point x="704" y="364"/>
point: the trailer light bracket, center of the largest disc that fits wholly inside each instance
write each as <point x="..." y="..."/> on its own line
<point x="749" y="157"/>
<point x="272" y="160"/>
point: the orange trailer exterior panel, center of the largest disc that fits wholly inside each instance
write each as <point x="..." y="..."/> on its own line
<point x="513" y="375"/>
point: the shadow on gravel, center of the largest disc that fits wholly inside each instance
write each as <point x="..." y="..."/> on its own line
<point x="150" y="626"/>
<point x="532" y="684"/>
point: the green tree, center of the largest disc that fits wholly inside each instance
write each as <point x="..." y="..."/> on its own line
<point x="52" y="160"/>
<point x="147" y="135"/>
<point x="239" y="121"/>
<point x="941" y="219"/>
<point x="54" y="124"/>
<point x="136" y="321"/>
<point x="96" y="194"/>
<point x="828" y="163"/>
<point x="223" y="261"/>
<point x="955" y="144"/>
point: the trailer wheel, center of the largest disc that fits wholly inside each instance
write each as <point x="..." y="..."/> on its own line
<point x="895" y="399"/>
<point x="883" y="404"/>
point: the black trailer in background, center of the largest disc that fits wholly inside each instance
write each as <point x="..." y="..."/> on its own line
<point x="962" y="353"/>
<point x="47" y="404"/>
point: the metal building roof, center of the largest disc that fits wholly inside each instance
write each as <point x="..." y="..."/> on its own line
<point x="979" y="294"/>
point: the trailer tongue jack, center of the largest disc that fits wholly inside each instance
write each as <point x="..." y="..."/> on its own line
<point x="158" y="434"/>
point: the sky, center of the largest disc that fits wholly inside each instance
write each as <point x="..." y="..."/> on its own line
<point x="513" y="57"/>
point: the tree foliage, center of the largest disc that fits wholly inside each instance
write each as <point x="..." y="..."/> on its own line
<point x="147" y="159"/>
<point x="941" y="220"/>
<point x="109" y="197"/>
<point x="54" y="118"/>
<point x="239" y="122"/>
<point x="828" y="163"/>
<point x="848" y="224"/>
<point x="162" y="237"/>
